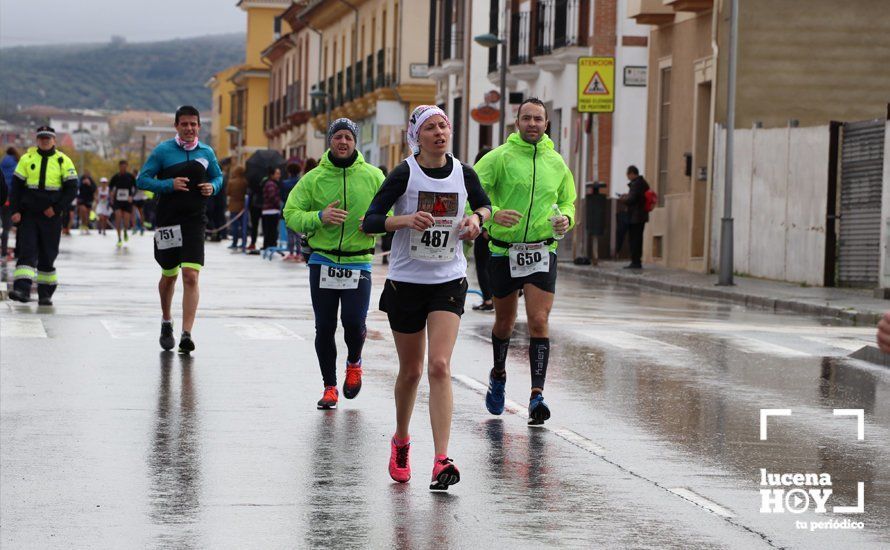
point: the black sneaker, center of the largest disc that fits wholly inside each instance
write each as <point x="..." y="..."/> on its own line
<point x="186" y="345"/>
<point x="44" y="301"/>
<point x="19" y="296"/>
<point x="167" y="340"/>
<point x="484" y="307"/>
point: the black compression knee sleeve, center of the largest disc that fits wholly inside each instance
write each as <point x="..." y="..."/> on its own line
<point x="500" y="348"/>
<point x="538" y="357"/>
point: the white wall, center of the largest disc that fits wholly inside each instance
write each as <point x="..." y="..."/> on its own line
<point x="779" y="202"/>
<point x="479" y="84"/>
<point x="629" y="120"/>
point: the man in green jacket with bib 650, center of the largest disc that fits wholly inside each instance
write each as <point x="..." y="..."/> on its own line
<point x="327" y="205"/>
<point x="532" y="194"/>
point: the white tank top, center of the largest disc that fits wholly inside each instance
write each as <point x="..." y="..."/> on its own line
<point x="437" y="254"/>
<point x="103" y="194"/>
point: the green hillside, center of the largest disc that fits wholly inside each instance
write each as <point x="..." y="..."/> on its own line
<point x="117" y="75"/>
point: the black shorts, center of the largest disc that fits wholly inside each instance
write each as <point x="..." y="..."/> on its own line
<point x="190" y="254"/>
<point x="88" y="204"/>
<point x="125" y="206"/>
<point x="503" y="284"/>
<point x="408" y="304"/>
<point x="138" y="204"/>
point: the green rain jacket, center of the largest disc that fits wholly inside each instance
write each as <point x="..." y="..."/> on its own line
<point x="354" y="187"/>
<point x="530" y="179"/>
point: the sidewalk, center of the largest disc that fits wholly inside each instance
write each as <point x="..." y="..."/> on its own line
<point x="856" y="306"/>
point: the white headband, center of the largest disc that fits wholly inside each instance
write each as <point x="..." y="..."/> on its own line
<point x="418" y="117"/>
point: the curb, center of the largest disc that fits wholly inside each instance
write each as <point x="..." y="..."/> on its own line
<point x="858" y="318"/>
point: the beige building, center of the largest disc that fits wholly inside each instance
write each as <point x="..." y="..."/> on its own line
<point x="241" y="92"/>
<point x="797" y="65"/>
<point x="294" y="63"/>
<point x="221" y="91"/>
<point x="373" y="69"/>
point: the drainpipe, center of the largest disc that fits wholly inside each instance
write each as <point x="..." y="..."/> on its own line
<point x="726" y="229"/>
<point x="318" y="78"/>
<point x="715" y="49"/>
<point x="354" y="42"/>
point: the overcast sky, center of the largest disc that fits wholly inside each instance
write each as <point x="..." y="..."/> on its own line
<point x="37" y="22"/>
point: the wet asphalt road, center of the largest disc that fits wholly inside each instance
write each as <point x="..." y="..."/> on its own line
<point x="654" y="442"/>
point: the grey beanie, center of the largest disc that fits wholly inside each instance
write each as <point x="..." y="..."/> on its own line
<point x="342" y="124"/>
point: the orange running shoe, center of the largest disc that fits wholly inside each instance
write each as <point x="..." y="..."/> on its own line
<point x="353" y="383"/>
<point x="329" y="398"/>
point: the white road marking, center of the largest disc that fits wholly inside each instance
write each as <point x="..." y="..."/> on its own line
<point x="848" y="344"/>
<point x="263" y="330"/>
<point x="699" y="500"/>
<point x="122" y="329"/>
<point x="629" y="341"/>
<point x="579" y="441"/>
<point x="21" y="328"/>
<point x="753" y="345"/>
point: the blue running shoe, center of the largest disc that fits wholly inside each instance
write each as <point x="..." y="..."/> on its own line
<point x="494" y="397"/>
<point x="538" y="411"/>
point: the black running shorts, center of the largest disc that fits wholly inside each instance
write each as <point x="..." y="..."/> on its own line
<point x="126" y="206"/>
<point x="502" y="284"/>
<point x="408" y="304"/>
<point x="190" y="254"/>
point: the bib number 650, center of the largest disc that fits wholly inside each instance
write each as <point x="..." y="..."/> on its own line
<point x="528" y="258"/>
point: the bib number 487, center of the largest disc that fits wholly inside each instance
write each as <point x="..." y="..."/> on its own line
<point x="435" y="239"/>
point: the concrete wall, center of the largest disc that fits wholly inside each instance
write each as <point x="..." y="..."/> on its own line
<point x="780" y="189"/>
<point x="814" y="61"/>
<point x="884" y="274"/>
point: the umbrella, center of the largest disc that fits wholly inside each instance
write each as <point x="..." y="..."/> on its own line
<point x="259" y="164"/>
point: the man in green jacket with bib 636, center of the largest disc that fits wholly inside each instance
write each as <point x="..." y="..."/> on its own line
<point x="532" y="194"/>
<point x="327" y="205"/>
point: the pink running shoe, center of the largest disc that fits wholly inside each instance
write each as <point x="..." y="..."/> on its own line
<point x="399" y="460"/>
<point x="445" y="473"/>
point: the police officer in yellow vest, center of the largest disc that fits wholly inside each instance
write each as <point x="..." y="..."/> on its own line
<point x="44" y="182"/>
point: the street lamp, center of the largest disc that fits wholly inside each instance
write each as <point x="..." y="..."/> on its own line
<point x="237" y="131"/>
<point x="318" y="93"/>
<point x="489" y="40"/>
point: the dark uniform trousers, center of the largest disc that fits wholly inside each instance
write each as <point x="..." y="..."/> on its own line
<point x="37" y="244"/>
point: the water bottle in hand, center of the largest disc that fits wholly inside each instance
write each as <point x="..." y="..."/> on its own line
<point x="556" y="214"/>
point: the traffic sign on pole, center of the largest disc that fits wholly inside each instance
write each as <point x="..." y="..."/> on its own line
<point x="596" y="84"/>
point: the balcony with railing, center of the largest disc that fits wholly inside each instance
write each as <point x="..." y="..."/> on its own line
<point x="521" y="65"/>
<point x="560" y="32"/>
<point x="359" y="80"/>
<point x="296" y="111"/>
<point x="446" y="54"/>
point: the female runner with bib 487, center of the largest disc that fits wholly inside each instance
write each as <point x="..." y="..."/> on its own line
<point x="426" y="288"/>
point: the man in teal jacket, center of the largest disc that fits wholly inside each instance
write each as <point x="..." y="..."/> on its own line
<point x="532" y="194"/>
<point x="184" y="172"/>
<point x="327" y="206"/>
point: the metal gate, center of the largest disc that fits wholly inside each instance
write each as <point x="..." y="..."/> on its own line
<point x="862" y="160"/>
